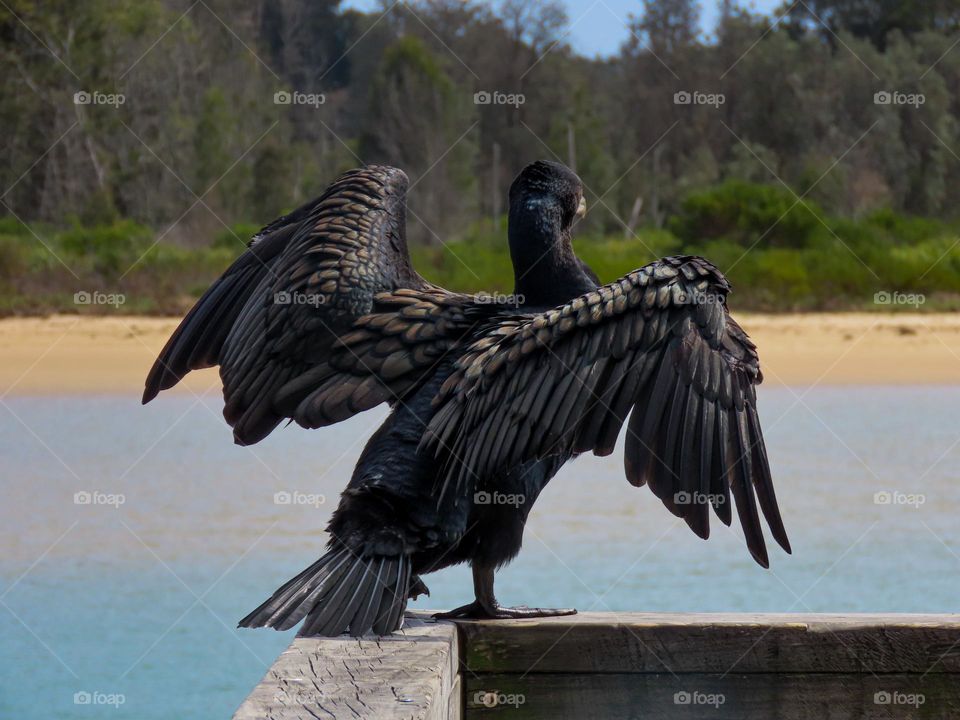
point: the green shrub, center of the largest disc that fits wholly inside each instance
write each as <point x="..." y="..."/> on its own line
<point x="109" y="249"/>
<point x="13" y="256"/>
<point x="906" y="229"/>
<point x="613" y="257"/>
<point x="807" y="262"/>
<point x="748" y="214"/>
<point x="236" y="237"/>
<point x="12" y="226"/>
<point x="466" y="266"/>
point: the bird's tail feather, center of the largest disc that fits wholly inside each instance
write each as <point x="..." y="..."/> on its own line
<point x="340" y="592"/>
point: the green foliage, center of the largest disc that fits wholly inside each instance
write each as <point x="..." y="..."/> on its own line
<point x="12" y="226"/>
<point x="209" y="141"/>
<point x="13" y="257"/>
<point x="99" y="210"/>
<point x="103" y="188"/>
<point x="409" y="54"/>
<point x="108" y="249"/>
<point x="235" y="237"/>
<point x="417" y="114"/>
<point x="876" y="19"/>
<point x="841" y="265"/>
<point x="613" y="257"/>
<point x="903" y="229"/>
<point x="747" y="213"/>
<point x="270" y="191"/>
<point x="40" y="274"/>
<point x="773" y="279"/>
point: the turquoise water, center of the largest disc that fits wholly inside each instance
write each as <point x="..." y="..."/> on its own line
<point x="135" y="603"/>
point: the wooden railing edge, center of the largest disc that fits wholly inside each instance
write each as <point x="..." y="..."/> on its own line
<point x="412" y="674"/>
<point x="418" y="673"/>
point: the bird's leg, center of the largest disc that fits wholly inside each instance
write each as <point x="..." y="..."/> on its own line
<point x="486" y="607"/>
<point x="417" y="588"/>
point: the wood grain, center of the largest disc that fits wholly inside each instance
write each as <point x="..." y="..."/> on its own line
<point x="715" y="643"/>
<point x="409" y="675"/>
<point x="756" y="696"/>
<point x="626" y="665"/>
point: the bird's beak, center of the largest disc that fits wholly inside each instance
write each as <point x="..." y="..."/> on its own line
<point x="582" y="208"/>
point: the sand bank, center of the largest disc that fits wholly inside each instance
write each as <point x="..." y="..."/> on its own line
<point x="74" y="354"/>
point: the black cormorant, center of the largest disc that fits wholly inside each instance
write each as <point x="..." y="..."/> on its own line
<point x="324" y="317"/>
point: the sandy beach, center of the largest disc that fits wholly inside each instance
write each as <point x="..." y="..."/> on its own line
<point x="84" y="354"/>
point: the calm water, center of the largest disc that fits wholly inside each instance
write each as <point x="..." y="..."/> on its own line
<point x="138" y="601"/>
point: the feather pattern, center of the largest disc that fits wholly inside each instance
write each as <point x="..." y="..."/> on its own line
<point x="322" y="317"/>
<point x="660" y="343"/>
<point x="340" y="592"/>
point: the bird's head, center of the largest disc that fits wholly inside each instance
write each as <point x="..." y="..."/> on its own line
<point x="546" y="199"/>
<point x="550" y="191"/>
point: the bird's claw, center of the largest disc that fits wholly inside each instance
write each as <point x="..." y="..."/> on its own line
<point x="418" y="588"/>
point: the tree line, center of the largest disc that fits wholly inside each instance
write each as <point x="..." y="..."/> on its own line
<point x="191" y="118"/>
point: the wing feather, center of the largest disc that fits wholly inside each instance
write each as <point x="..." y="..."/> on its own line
<point x="658" y="345"/>
<point x="322" y="317"/>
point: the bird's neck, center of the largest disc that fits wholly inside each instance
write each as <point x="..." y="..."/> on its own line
<point x="546" y="270"/>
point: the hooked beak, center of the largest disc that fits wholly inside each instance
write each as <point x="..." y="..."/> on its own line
<point x="581" y="208"/>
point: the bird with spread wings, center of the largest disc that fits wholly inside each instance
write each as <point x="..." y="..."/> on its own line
<point x="324" y="317"/>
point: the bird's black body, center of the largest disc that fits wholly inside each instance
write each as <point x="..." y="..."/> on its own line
<point x="391" y="505"/>
<point x="489" y="399"/>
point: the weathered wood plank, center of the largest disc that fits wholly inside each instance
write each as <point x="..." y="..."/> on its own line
<point x="626" y="665"/>
<point x="409" y="675"/>
<point x="751" y="696"/>
<point x="714" y="643"/>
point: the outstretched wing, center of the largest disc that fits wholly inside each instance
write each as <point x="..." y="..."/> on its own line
<point x="274" y="321"/>
<point x="658" y="341"/>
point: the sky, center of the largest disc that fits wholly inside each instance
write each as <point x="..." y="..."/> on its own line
<point x="598" y="27"/>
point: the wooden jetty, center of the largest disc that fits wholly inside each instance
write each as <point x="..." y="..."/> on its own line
<point x="625" y="665"/>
